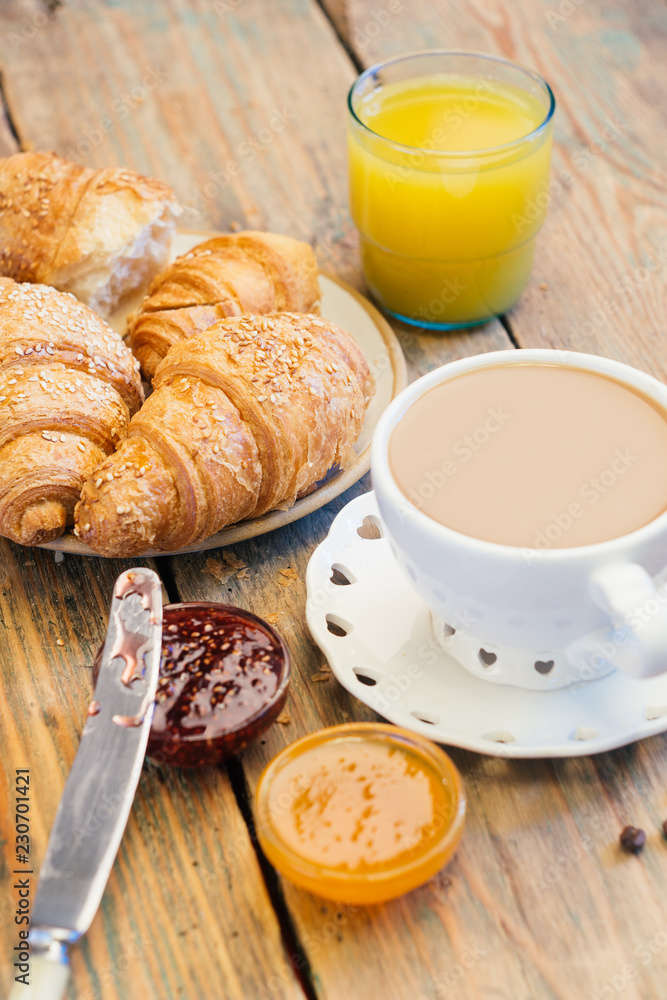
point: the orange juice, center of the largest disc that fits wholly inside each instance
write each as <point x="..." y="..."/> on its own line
<point x="448" y="188"/>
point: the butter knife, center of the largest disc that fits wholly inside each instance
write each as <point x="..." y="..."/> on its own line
<point x="100" y="787"/>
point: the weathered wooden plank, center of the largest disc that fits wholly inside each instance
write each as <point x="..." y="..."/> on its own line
<point x="223" y="94"/>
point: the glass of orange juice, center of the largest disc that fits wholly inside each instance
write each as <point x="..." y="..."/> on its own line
<point x="449" y="176"/>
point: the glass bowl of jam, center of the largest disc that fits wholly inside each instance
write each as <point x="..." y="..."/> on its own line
<point x="223" y="680"/>
<point x="360" y="813"/>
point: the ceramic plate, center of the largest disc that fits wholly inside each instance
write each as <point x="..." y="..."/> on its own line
<point x="350" y="310"/>
<point x="376" y="634"/>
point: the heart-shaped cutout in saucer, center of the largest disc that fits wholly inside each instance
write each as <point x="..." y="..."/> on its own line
<point x="487" y="658"/>
<point x="544" y="667"/>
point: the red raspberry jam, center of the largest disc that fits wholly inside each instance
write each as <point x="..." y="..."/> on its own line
<point x="223" y="680"/>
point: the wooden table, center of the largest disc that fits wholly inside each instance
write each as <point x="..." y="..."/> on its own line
<point x="240" y="104"/>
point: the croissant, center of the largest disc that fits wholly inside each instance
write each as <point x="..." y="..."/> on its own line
<point x="68" y="386"/>
<point x="247" y="272"/>
<point x="99" y="234"/>
<point x="244" y="417"/>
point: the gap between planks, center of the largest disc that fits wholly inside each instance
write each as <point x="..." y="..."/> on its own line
<point x="296" y="954"/>
<point x="6" y="112"/>
<point x="504" y="321"/>
<point x="338" y="27"/>
<point x="165" y="571"/>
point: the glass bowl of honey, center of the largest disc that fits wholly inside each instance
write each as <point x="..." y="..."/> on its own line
<point x="360" y="813"/>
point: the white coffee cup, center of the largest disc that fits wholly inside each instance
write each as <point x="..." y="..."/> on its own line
<point x="535" y="618"/>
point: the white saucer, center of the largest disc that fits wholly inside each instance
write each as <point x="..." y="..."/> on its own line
<point x="390" y="660"/>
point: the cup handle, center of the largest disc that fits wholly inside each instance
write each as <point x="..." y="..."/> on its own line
<point x="638" y="610"/>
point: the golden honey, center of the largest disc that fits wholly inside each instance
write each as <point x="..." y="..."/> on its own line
<point x="360" y="813"/>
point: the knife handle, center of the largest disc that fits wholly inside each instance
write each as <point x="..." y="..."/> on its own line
<point x="48" y="976"/>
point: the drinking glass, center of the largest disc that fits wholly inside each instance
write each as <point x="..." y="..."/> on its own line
<point x="447" y="236"/>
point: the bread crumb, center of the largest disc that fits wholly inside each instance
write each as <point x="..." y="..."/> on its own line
<point x="284" y="718"/>
<point x="224" y="569"/>
<point x="318" y="679"/>
<point x="214" y="567"/>
<point x="233" y="561"/>
<point x="272" y="619"/>
<point x="325" y="668"/>
<point x="286" y="577"/>
<point x="59" y="642"/>
<point x="543" y="286"/>
<point x="235" y="226"/>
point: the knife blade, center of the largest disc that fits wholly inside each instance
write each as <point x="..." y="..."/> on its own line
<point x="99" y="791"/>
